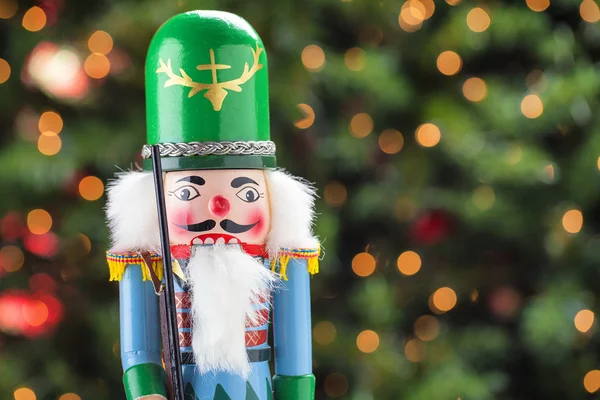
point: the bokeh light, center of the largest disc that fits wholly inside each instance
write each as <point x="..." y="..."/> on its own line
<point x="313" y="57"/>
<point x="532" y="106"/>
<point x="427" y="328"/>
<point x="449" y="63"/>
<point x="49" y="145"/>
<point x="91" y="188"/>
<point x="308" y="117"/>
<point x="335" y="385"/>
<point x="96" y="66"/>
<point x="100" y="42"/>
<point x="409" y="263"/>
<point x="39" y="221"/>
<point x="24" y="394"/>
<point x="443" y="300"/>
<point x="414" y="350"/>
<point x="4" y="70"/>
<point x="589" y="11"/>
<point x="8" y="8"/>
<point x="50" y="123"/>
<point x="478" y="20"/>
<point x="335" y="193"/>
<point x="453" y="2"/>
<point x="584" y="320"/>
<point x="538" y="5"/>
<point x="475" y="89"/>
<point x="484" y="197"/>
<point x="591" y="381"/>
<point x="34" y="19"/>
<point x="324" y="333"/>
<point x="391" y="141"/>
<point x="572" y="221"/>
<point x="428" y="135"/>
<point x="87" y="244"/>
<point x="413" y="12"/>
<point x="361" y="125"/>
<point x="69" y="396"/>
<point x="363" y="264"/>
<point x="11" y="258"/>
<point x="367" y="341"/>
<point x="355" y="59"/>
<point x="35" y="312"/>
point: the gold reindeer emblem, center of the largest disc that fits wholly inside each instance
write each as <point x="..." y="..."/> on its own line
<point x="215" y="91"/>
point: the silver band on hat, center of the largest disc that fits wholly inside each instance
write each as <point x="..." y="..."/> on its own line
<point x="254" y="148"/>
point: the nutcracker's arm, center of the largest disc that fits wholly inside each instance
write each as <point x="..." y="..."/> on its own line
<point x="292" y="335"/>
<point x="140" y="336"/>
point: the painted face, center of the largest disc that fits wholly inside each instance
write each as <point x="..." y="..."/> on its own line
<point x="217" y="206"/>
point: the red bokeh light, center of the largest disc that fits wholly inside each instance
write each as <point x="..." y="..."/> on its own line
<point x="45" y="245"/>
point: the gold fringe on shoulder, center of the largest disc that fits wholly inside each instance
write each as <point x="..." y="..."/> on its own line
<point x="283" y="258"/>
<point x="117" y="262"/>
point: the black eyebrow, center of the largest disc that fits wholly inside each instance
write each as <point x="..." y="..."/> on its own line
<point x="242" y="180"/>
<point x="193" y="179"/>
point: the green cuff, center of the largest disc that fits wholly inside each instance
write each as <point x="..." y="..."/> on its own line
<point x="294" y="387"/>
<point x="143" y="380"/>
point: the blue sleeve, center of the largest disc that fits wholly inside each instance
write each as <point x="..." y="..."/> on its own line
<point x="291" y="322"/>
<point x="139" y="317"/>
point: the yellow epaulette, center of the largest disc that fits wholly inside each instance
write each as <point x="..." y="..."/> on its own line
<point x="117" y="262"/>
<point x="283" y="258"/>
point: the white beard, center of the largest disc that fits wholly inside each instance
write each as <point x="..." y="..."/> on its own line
<point x="225" y="283"/>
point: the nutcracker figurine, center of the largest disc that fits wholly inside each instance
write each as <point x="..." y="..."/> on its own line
<point x="240" y="230"/>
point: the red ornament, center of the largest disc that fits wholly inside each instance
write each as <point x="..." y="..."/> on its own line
<point x="432" y="227"/>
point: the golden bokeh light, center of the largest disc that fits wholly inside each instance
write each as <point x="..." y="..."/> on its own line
<point x="49" y="145"/>
<point x="428" y="135"/>
<point x="429" y="8"/>
<point x="413" y="12"/>
<point x="361" y="125"/>
<point x="324" y="333"/>
<point x="475" y="89"/>
<point x="313" y="57"/>
<point x="414" y="350"/>
<point x="572" y="221"/>
<point x="50" y="123"/>
<point x="35" y="312"/>
<point x="308" y="117"/>
<point x="444" y="299"/>
<point x="591" y="381"/>
<point x="335" y="385"/>
<point x="532" y="106"/>
<point x="96" y="66"/>
<point x="100" y="42"/>
<point x="363" y="264"/>
<point x="427" y="328"/>
<point x="69" y="396"/>
<point x="549" y="172"/>
<point x="8" y="8"/>
<point x="24" y="394"/>
<point x="91" y="188"/>
<point x="335" y="193"/>
<point x="589" y="11"/>
<point x="453" y="2"/>
<point x="538" y="5"/>
<point x="39" y="221"/>
<point x="391" y="141"/>
<point x="474" y="295"/>
<point x="355" y="59"/>
<point x="367" y="341"/>
<point x="34" y="19"/>
<point x="584" y="320"/>
<point x="478" y="20"/>
<point x="4" y="70"/>
<point x="409" y="263"/>
<point x="449" y="63"/>
<point x="11" y="258"/>
<point x="86" y="242"/>
<point x="484" y="197"/>
<point x="598" y="163"/>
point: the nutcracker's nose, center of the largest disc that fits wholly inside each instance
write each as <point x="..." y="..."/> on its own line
<point x="219" y="206"/>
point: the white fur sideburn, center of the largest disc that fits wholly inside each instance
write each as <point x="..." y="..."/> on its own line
<point x="226" y="286"/>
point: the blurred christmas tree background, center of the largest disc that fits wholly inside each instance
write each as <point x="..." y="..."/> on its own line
<point x="456" y="149"/>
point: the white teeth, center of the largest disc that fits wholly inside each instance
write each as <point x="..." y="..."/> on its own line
<point x="209" y="241"/>
<point x="220" y="241"/>
<point x="233" y="241"/>
<point x="197" y="241"/>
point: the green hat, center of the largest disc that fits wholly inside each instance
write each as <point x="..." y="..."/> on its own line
<point x="207" y="94"/>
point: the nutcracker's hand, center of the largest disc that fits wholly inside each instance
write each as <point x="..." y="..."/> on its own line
<point x="152" y="397"/>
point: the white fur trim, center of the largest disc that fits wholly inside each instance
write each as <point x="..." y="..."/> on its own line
<point x="292" y="212"/>
<point x="131" y="212"/>
<point x="225" y="285"/>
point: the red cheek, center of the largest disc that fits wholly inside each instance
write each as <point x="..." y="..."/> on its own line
<point x="180" y="217"/>
<point x="258" y="230"/>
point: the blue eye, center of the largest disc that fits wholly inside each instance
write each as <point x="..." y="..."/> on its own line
<point x="248" y="194"/>
<point x="186" y="193"/>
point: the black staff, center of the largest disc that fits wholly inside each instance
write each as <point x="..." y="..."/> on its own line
<point x="171" y="311"/>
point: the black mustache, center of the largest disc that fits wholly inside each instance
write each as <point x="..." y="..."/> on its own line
<point x="200" y="226"/>
<point x="231" y="227"/>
